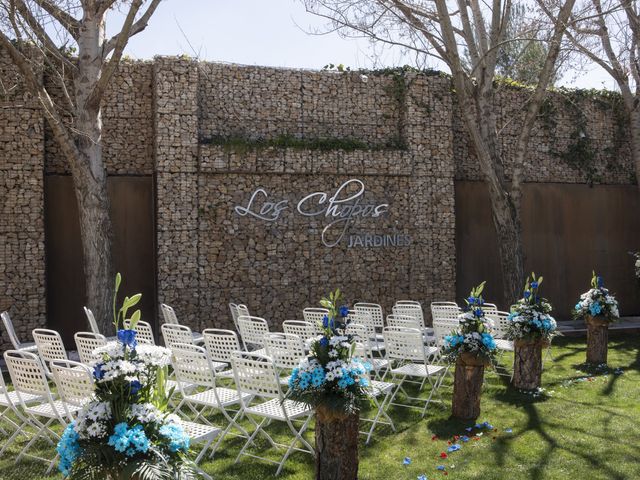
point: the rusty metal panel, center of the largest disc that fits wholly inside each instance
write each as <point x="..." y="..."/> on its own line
<point x="133" y="214"/>
<point x="568" y="230"/>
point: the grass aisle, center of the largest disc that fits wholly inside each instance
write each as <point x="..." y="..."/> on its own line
<point x="582" y="429"/>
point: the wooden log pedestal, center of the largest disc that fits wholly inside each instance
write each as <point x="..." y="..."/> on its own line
<point x="467" y="386"/>
<point x="527" y="363"/>
<point x="597" y="339"/>
<point x="336" y="445"/>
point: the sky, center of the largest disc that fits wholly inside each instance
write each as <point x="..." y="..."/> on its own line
<point x="269" y="33"/>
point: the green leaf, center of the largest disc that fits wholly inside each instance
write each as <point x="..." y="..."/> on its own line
<point x="135" y="318"/>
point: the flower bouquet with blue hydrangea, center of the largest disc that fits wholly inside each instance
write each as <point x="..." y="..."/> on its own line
<point x="474" y="334"/>
<point x="331" y="375"/>
<point x="530" y="316"/>
<point x="597" y="302"/>
<point x="125" y="431"/>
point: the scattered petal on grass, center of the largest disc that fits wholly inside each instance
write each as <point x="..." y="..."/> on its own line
<point x="468" y="429"/>
<point x="406" y="461"/>
<point x="454" y="448"/>
<point x="440" y="467"/>
<point x="508" y="430"/>
<point x="443" y="455"/>
<point x="464" y="438"/>
<point x="422" y="477"/>
<point x="479" y="434"/>
<point x="435" y="437"/>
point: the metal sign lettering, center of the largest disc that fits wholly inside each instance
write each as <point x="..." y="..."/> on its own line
<point x="341" y="210"/>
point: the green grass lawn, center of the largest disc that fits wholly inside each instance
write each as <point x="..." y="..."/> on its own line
<point x="581" y="430"/>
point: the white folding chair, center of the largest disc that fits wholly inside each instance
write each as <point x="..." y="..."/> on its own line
<point x="28" y="377"/>
<point x="144" y="332"/>
<point x="173" y="334"/>
<point x="379" y="365"/>
<point x="500" y="326"/>
<point x="286" y="350"/>
<point x="302" y="328"/>
<point x="363" y="317"/>
<point x="410" y="308"/>
<point x="446" y="310"/>
<point x="220" y="345"/>
<point x="490" y="308"/>
<point x="192" y="366"/>
<point x="50" y="347"/>
<point x="379" y="390"/>
<point x="234" y="314"/>
<point x="86" y="343"/>
<point x="315" y="316"/>
<point x="93" y="325"/>
<point x="10" y="403"/>
<point x="375" y="311"/>
<point x="257" y="375"/>
<point x="74" y="382"/>
<point x="170" y="317"/>
<point x="252" y="331"/>
<point x="15" y="341"/>
<point x="405" y="349"/>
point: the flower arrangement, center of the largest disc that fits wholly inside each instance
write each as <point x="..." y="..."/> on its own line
<point x="597" y="302"/>
<point x="474" y="335"/>
<point x="636" y="265"/>
<point x="331" y="376"/>
<point x="125" y="431"/>
<point x="530" y="317"/>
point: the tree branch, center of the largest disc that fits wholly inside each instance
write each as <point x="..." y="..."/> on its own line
<point x="65" y="19"/>
<point x="136" y="28"/>
<point x="95" y="97"/>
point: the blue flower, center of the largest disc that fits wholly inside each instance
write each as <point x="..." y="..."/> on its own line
<point x="488" y="341"/>
<point x="134" y="387"/>
<point x="344" y="311"/>
<point x="578" y="306"/>
<point x="98" y="373"/>
<point x="406" y="461"/>
<point x="128" y="338"/>
<point x="440" y="467"/>
<point x="527" y="294"/>
<point x="534" y="284"/>
<point x="454" y="448"/>
<point x="600" y="282"/>
<point x="464" y="438"/>
<point x="478" y="312"/>
<point x="324" y="341"/>
<point x="325" y="321"/>
<point x="595" y="308"/>
<point x="471" y="300"/>
<point x="68" y="449"/>
<point x="178" y="439"/>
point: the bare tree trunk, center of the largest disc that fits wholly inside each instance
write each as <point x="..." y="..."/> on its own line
<point x="467" y="387"/>
<point x="90" y="178"/>
<point x="336" y="445"/>
<point x="597" y="340"/>
<point x="527" y="364"/>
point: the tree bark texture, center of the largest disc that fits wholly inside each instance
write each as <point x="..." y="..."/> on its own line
<point x="527" y="364"/>
<point x="467" y="387"/>
<point x="634" y="129"/>
<point x="336" y="445"/>
<point x="597" y="340"/>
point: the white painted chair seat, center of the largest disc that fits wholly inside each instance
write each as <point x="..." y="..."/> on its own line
<point x="430" y="351"/>
<point x="503" y="344"/>
<point x="378" y="363"/>
<point x="14" y="400"/>
<point x="198" y="432"/>
<point x="380" y="388"/>
<point x="226" y="396"/>
<point x="273" y="409"/>
<point x="185" y="385"/>
<point x="417" y="370"/>
<point x="47" y="409"/>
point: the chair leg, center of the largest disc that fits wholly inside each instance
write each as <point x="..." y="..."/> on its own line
<point x="251" y="438"/>
<point x="298" y="438"/>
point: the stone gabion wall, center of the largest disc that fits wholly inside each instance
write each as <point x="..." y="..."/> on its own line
<point x="22" y="257"/>
<point x="200" y="130"/>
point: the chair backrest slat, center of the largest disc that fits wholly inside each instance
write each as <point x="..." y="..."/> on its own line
<point x="374" y="310"/>
<point x="50" y="345"/>
<point x="302" y="328"/>
<point x="91" y="319"/>
<point x="285" y="349"/>
<point x="409" y="310"/>
<point x="74" y="381"/>
<point x="256" y="375"/>
<point x="314" y="316"/>
<point x="8" y="325"/>
<point x="191" y="365"/>
<point x="404" y="344"/>
<point x="174" y="334"/>
<point x="86" y="343"/>
<point x="27" y="373"/>
<point x="443" y="327"/>
<point x="169" y="314"/>
<point x="405" y="321"/>
<point x="442" y="310"/>
<point x="500" y="323"/>
<point x="144" y="332"/>
<point x="220" y="344"/>
<point x="252" y="330"/>
<point x="363" y="317"/>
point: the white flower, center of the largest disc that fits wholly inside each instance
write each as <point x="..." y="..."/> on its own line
<point x="146" y="413"/>
<point x="153" y="355"/>
<point x="96" y="430"/>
